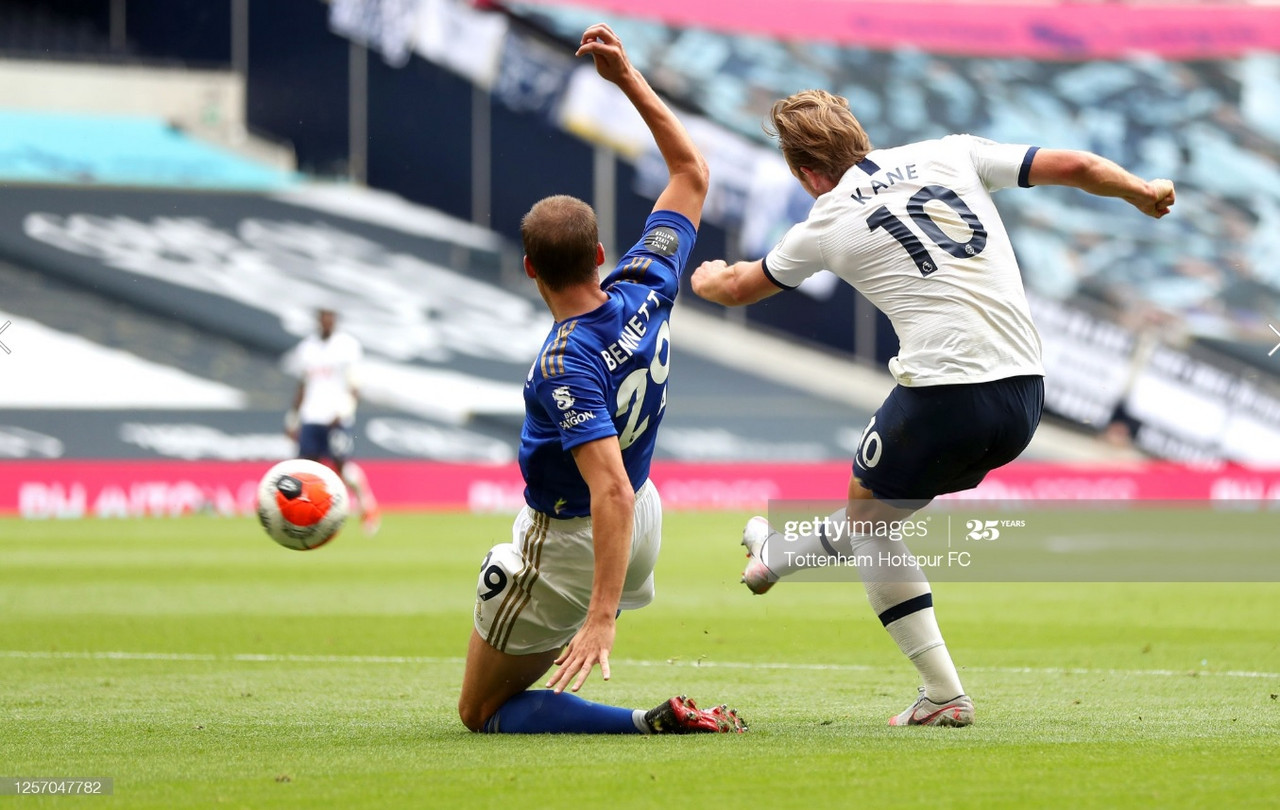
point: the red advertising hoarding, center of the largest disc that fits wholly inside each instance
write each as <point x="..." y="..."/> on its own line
<point x="52" y="489"/>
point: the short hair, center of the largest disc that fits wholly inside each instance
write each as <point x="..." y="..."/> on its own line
<point x="560" y="235"/>
<point x="816" y="130"/>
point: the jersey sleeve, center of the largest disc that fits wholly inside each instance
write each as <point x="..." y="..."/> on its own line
<point x="1001" y="165"/>
<point x="796" y="257"/>
<point x="574" y="399"/>
<point x="658" y="259"/>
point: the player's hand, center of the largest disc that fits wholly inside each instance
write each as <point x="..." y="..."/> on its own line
<point x="292" y="424"/>
<point x="590" y="646"/>
<point x="606" y="49"/>
<point x="705" y="276"/>
<point x="1161" y="198"/>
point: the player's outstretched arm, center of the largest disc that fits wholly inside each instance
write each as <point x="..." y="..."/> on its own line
<point x="732" y="285"/>
<point x="1097" y="175"/>
<point x="612" y="524"/>
<point x="292" y="422"/>
<point x="687" y="187"/>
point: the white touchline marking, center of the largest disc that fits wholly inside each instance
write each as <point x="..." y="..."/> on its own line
<point x="118" y="655"/>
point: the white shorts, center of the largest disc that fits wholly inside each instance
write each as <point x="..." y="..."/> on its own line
<point x="533" y="592"/>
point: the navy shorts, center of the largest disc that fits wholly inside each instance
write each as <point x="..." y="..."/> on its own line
<point x="321" y="441"/>
<point x="924" y="442"/>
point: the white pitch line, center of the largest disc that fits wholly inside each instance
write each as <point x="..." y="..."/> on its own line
<point x="118" y="655"/>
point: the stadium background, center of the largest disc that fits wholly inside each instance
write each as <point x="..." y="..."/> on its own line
<point x="184" y="182"/>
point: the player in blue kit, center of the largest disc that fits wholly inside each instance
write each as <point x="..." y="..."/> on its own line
<point x="584" y="547"/>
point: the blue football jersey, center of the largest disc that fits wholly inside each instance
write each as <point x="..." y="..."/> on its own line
<point x="605" y="373"/>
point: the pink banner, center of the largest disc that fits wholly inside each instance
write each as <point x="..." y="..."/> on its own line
<point x="52" y="489"/>
<point x="1051" y="31"/>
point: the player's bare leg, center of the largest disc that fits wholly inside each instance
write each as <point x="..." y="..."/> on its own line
<point x="370" y="515"/>
<point x="492" y="678"/>
<point x="494" y="682"/>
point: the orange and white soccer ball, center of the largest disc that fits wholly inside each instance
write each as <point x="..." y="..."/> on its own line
<point x="302" y="504"/>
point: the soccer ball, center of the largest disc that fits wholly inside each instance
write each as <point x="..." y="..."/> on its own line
<point x="302" y="504"/>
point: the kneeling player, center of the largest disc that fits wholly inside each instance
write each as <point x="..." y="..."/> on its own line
<point x="584" y="547"/>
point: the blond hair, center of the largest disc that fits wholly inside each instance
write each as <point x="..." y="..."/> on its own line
<point x="560" y="235"/>
<point x="816" y="130"/>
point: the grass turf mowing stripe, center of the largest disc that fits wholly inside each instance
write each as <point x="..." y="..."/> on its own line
<point x="120" y="655"/>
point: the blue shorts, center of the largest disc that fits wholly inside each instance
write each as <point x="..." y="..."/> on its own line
<point x="924" y="442"/>
<point x="318" y="442"/>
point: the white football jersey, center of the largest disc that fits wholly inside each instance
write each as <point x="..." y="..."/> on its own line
<point x="328" y="367"/>
<point x="915" y="231"/>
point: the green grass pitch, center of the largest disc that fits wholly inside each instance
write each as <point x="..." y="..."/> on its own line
<point x="199" y="665"/>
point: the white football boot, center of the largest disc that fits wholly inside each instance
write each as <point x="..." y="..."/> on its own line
<point x="757" y="576"/>
<point x="956" y="712"/>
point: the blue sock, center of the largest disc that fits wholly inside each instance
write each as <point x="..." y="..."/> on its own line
<point x="542" y="711"/>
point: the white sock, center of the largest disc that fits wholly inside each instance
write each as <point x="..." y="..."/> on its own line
<point x="899" y="593"/>
<point x="786" y="555"/>
<point x="897" y="589"/>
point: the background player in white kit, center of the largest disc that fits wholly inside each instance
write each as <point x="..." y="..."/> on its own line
<point x="915" y="231"/>
<point x="324" y="407"/>
<point x="584" y="547"/>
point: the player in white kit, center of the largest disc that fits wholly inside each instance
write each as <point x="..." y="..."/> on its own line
<point x="915" y="231"/>
<point x="324" y="407"/>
